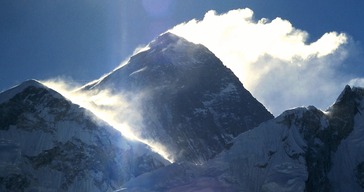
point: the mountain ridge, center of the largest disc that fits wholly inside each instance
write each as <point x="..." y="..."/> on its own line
<point x="7" y="94"/>
<point x="303" y="149"/>
<point x="48" y="143"/>
<point x="220" y="137"/>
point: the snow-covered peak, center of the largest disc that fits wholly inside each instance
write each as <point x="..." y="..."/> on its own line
<point x="32" y="82"/>
<point x="165" y="39"/>
<point x="166" y="54"/>
<point x="168" y="40"/>
<point x="8" y="94"/>
<point x="187" y="100"/>
<point x="178" y="50"/>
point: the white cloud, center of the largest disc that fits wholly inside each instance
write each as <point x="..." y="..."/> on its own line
<point x="357" y="82"/>
<point x="272" y="58"/>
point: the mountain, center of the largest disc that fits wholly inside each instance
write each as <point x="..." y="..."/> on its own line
<point x="47" y="143"/>
<point x="190" y="102"/>
<point x="303" y="149"/>
<point x="220" y="137"/>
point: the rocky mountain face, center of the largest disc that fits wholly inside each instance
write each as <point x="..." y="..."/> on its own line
<point x="190" y="102"/>
<point x="48" y="143"/>
<point x="303" y="149"/>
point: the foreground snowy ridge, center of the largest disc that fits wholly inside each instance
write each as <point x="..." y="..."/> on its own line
<point x="304" y="149"/>
<point x="48" y="143"/>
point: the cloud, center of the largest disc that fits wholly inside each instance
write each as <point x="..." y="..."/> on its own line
<point x="273" y="59"/>
<point x="118" y="110"/>
<point x="357" y="82"/>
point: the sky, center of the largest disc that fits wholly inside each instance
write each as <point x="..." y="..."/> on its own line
<point x="302" y="53"/>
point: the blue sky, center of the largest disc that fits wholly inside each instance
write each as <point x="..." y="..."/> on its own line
<point x="82" y="40"/>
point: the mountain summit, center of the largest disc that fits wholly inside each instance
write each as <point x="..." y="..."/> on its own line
<point x="190" y="102"/>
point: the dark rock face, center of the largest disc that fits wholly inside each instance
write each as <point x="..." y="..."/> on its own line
<point x="48" y="143"/>
<point x="359" y="174"/>
<point x="192" y="103"/>
<point x="341" y="122"/>
<point x="323" y="140"/>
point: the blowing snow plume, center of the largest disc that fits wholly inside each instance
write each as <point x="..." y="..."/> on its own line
<point x="273" y="59"/>
<point x="115" y="109"/>
<point x="176" y="94"/>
